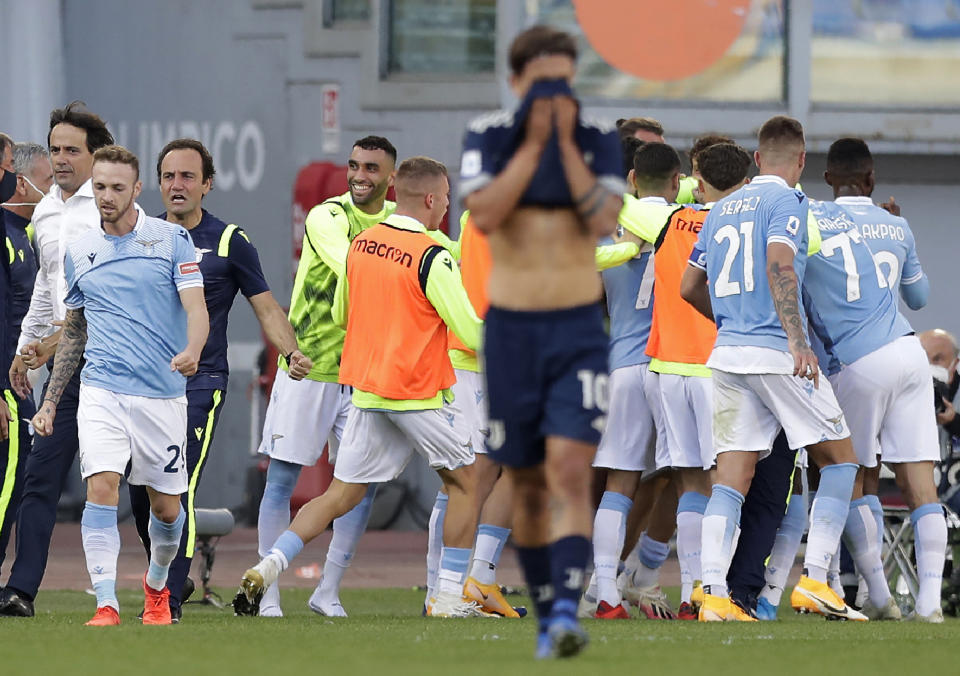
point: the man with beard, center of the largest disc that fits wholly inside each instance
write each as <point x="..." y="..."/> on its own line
<point x="135" y="312"/>
<point x="302" y="415"/>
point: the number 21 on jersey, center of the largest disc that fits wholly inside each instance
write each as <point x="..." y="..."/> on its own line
<point x="729" y="233"/>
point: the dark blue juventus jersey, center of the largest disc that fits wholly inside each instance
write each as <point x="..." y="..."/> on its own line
<point x="229" y="263"/>
<point x="491" y="140"/>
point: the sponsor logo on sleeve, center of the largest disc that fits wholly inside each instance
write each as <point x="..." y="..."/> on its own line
<point x="189" y="268"/>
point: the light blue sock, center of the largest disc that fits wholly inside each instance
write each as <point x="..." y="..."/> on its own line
<point x="873" y="502"/>
<point x="274" y="516"/>
<point x="164" y="543"/>
<point x="486" y="552"/>
<point x="828" y="515"/>
<point x="347" y="531"/>
<point x="720" y="522"/>
<point x="859" y="533"/>
<point x="101" y="547"/>
<point x="609" y="532"/>
<point x="288" y="545"/>
<point x="453" y="569"/>
<point x="652" y="552"/>
<point x="435" y="541"/>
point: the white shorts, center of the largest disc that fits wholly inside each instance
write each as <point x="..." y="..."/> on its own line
<point x="377" y="445"/>
<point x="886" y="398"/>
<point x="687" y="403"/>
<point x="149" y="434"/>
<point x="302" y="416"/>
<point x="651" y="388"/>
<point x="470" y="396"/>
<point x="749" y="410"/>
<point x="629" y="440"/>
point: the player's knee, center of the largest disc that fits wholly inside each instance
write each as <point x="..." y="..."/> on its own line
<point x="104" y="488"/>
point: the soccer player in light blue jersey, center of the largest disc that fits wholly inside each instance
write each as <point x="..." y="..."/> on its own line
<point x="884" y="385"/>
<point x="627" y="447"/>
<point x="753" y="249"/>
<point x="136" y="313"/>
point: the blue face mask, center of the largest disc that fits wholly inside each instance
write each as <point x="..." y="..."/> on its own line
<point x="8" y="185"/>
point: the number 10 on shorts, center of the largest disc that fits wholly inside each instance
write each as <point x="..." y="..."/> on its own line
<point x="595" y="391"/>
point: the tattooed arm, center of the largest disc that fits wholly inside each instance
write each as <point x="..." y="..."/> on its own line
<point x="69" y="352"/>
<point x="786" y="293"/>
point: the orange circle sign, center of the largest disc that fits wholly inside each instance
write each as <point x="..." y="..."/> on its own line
<point x="658" y="40"/>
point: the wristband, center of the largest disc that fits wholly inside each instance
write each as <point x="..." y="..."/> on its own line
<point x="288" y="355"/>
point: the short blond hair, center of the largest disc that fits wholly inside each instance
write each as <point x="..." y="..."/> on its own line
<point x="117" y="155"/>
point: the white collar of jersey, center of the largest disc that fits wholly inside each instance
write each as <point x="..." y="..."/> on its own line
<point x="858" y="200"/>
<point x="405" y="222"/>
<point x="85" y="190"/>
<point x="141" y="216"/>
<point x="652" y="199"/>
<point x="708" y="205"/>
<point x="769" y="178"/>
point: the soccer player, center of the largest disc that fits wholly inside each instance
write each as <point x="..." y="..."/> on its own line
<point x="493" y="490"/>
<point x="400" y="295"/>
<point x="65" y="213"/>
<point x="229" y="263"/>
<point x="304" y="414"/>
<point x="34" y="175"/>
<point x="627" y="447"/>
<point x="680" y="338"/>
<point x="753" y="249"/>
<point x="884" y="385"/>
<point x="135" y="311"/>
<point x="544" y="183"/>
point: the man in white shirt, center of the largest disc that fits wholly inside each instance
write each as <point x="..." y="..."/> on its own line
<point x="64" y="214"/>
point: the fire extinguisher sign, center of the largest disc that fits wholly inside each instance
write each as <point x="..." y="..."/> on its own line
<point x="330" y="118"/>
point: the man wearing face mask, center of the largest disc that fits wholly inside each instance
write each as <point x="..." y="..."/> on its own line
<point x="64" y="214"/>
<point x="8" y="179"/>
<point x="942" y="352"/>
<point x="33" y="176"/>
<point x="24" y="162"/>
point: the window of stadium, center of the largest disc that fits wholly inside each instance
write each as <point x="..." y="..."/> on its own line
<point x="334" y="11"/>
<point x="642" y="50"/>
<point x="896" y="52"/>
<point x="437" y="37"/>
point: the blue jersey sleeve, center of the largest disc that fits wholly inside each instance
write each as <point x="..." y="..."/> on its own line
<point x="477" y="163"/>
<point x="698" y="257"/>
<point x="186" y="270"/>
<point x="605" y="154"/>
<point x="787" y="221"/>
<point x="245" y="265"/>
<point x="74" y="299"/>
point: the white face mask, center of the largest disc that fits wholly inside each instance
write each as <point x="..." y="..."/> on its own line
<point x="940" y="373"/>
<point x="24" y="204"/>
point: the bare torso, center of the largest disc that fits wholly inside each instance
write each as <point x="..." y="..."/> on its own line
<point x="543" y="259"/>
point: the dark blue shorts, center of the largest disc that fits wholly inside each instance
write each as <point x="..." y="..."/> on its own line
<point x="546" y="376"/>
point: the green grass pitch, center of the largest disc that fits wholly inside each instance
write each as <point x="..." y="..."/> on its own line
<point x="386" y="635"/>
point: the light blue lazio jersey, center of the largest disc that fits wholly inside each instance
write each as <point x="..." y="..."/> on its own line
<point x="732" y="248"/>
<point x="890" y="239"/>
<point x="129" y="288"/>
<point x="848" y="298"/>
<point x="629" y="289"/>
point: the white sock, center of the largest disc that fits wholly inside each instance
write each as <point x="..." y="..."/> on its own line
<point x="453" y="570"/>
<point x="609" y="531"/>
<point x="101" y="547"/>
<point x="930" y="538"/>
<point x="721" y="521"/>
<point x="486" y="552"/>
<point x="860" y="535"/>
<point x="689" y="536"/>
<point x="784" y="551"/>
<point x="347" y="531"/>
<point x="435" y="542"/>
<point x="591" y="593"/>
